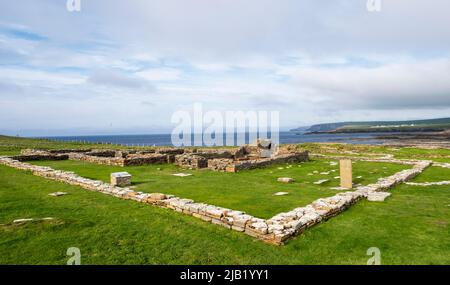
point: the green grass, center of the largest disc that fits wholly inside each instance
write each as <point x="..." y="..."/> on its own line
<point x="439" y="154"/>
<point x="249" y="191"/>
<point x="434" y="174"/>
<point x="410" y="227"/>
<point x="13" y="145"/>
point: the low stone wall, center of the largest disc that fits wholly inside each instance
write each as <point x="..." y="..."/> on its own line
<point x="169" y="150"/>
<point x="29" y="151"/>
<point x="441" y="164"/>
<point x="276" y="230"/>
<point x="386" y="159"/>
<point x="220" y="164"/>
<point x="426" y="184"/>
<point x="115" y="161"/>
<point x="191" y="161"/>
<point x="230" y="165"/>
<point x="105" y="156"/>
<point x="48" y="156"/>
<point x="287" y="225"/>
<point x="152" y="158"/>
<point x="102" y="153"/>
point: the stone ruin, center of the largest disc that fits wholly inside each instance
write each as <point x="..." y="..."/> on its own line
<point x="260" y="154"/>
<point x="275" y="230"/>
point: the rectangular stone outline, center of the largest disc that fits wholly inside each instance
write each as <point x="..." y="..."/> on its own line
<point x="276" y="230"/>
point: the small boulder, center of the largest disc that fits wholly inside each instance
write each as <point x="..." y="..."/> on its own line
<point x="321" y="181"/>
<point x="285" y="180"/>
<point x="56" y="194"/>
<point x="182" y="174"/>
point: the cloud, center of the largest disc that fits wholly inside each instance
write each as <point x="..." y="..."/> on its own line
<point x="117" y="79"/>
<point x="391" y="86"/>
<point x="311" y="61"/>
<point x="160" y="74"/>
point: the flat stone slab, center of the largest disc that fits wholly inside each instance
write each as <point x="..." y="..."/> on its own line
<point x="280" y="193"/>
<point x="22" y="220"/>
<point x="438" y="183"/>
<point x="19" y="221"/>
<point x="182" y="174"/>
<point x="120" y="174"/>
<point x="321" y="181"/>
<point x="56" y="194"/>
<point x="378" y="196"/>
<point x="285" y="179"/>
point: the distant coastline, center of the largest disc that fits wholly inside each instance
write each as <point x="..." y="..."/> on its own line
<point x="375" y="138"/>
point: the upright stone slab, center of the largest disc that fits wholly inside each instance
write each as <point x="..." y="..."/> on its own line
<point x="120" y="179"/>
<point x="346" y="173"/>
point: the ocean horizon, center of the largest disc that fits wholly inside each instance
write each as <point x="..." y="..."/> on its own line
<point x="165" y="139"/>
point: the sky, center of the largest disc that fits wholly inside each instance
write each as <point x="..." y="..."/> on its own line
<point x="123" y="67"/>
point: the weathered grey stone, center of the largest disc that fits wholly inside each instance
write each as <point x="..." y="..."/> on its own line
<point x="285" y="179"/>
<point x="120" y="179"/>
<point x="378" y="196"/>
<point x="56" y="194"/>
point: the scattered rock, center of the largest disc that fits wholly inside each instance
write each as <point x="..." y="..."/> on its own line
<point x="321" y="181"/>
<point x="19" y="221"/>
<point x="22" y="220"/>
<point x="56" y="194"/>
<point x="285" y="179"/>
<point x="428" y="183"/>
<point x="182" y="174"/>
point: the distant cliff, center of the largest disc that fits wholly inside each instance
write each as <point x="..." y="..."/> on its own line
<point x="381" y="126"/>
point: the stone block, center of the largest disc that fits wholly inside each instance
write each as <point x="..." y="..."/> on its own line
<point x="120" y="179"/>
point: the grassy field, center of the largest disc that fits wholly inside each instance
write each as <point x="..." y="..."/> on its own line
<point x="439" y="155"/>
<point x="13" y="145"/>
<point x="410" y="227"/>
<point x="249" y="191"/>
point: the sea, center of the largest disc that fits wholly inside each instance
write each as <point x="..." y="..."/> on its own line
<point x="165" y="139"/>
